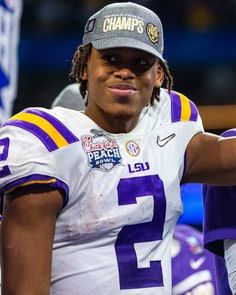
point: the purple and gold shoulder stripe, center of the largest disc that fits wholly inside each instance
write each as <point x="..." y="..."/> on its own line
<point x="52" y="132"/>
<point x="182" y="109"/>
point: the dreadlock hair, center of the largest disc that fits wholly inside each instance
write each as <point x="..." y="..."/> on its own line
<point x="168" y="81"/>
<point x="79" y="63"/>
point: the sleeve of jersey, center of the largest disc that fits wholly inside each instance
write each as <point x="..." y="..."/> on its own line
<point x="27" y="143"/>
<point x="184" y="112"/>
<point x="219" y="217"/>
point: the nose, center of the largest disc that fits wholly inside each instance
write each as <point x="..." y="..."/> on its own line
<point x="124" y="73"/>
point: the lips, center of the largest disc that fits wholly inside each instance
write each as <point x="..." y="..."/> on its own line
<point x="122" y="89"/>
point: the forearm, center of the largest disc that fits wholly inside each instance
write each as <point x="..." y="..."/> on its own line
<point x="211" y="159"/>
<point x="27" y="236"/>
<point x="26" y="261"/>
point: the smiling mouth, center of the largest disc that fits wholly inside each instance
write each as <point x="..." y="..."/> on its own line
<point x="122" y="89"/>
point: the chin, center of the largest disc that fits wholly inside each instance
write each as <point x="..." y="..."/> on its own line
<point x="124" y="113"/>
<point x="123" y="116"/>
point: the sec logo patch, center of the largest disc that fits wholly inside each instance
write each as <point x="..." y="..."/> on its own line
<point x="132" y="148"/>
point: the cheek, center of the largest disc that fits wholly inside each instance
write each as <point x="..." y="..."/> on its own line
<point x="150" y="81"/>
<point x="96" y="81"/>
<point x="151" y="75"/>
<point x="97" y="76"/>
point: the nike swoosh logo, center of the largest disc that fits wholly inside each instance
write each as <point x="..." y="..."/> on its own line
<point x="163" y="141"/>
<point x="195" y="264"/>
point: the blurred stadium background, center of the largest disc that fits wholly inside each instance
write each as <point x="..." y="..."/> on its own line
<point x="200" y="46"/>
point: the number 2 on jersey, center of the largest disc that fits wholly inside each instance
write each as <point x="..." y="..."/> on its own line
<point x="4" y="146"/>
<point x="132" y="277"/>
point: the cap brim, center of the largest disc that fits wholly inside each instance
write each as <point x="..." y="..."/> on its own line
<point x="126" y="42"/>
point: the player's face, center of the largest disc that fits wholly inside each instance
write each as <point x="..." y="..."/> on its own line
<point x="120" y="85"/>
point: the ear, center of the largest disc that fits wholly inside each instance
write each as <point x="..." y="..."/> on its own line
<point x="84" y="76"/>
<point x="160" y="76"/>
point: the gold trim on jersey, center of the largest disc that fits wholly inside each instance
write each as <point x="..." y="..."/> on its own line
<point x="44" y="125"/>
<point x="185" y="108"/>
<point x="53" y="180"/>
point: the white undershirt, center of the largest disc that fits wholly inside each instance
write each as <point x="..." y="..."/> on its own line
<point x="230" y="262"/>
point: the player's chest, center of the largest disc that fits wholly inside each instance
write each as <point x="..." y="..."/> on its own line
<point x="137" y="154"/>
<point x="122" y="181"/>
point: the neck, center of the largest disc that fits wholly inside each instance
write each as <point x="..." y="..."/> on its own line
<point x="113" y="124"/>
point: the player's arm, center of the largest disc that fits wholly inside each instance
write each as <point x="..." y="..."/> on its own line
<point x="211" y="159"/>
<point x="28" y="226"/>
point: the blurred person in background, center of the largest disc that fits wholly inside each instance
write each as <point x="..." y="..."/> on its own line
<point x="10" y="15"/>
<point x="220" y="230"/>
<point x="70" y="98"/>
<point x="221" y="274"/>
<point x="193" y="268"/>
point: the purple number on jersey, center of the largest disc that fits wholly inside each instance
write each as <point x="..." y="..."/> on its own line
<point x="132" y="277"/>
<point x="4" y="142"/>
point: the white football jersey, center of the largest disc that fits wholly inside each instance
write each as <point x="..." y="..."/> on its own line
<point x="121" y="192"/>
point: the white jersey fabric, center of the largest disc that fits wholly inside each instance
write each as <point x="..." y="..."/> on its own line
<point x="121" y="192"/>
<point x="10" y="14"/>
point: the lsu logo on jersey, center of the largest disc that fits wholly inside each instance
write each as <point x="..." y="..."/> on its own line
<point x="103" y="153"/>
<point x="127" y="23"/>
<point x="138" y="167"/>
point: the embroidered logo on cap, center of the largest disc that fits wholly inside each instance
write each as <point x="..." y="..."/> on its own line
<point x="126" y="23"/>
<point x="89" y="26"/>
<point x="153" y="33"/>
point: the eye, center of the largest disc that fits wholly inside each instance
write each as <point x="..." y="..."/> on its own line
<point x="109" y="58"/>
<point x="141" y="62"/>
